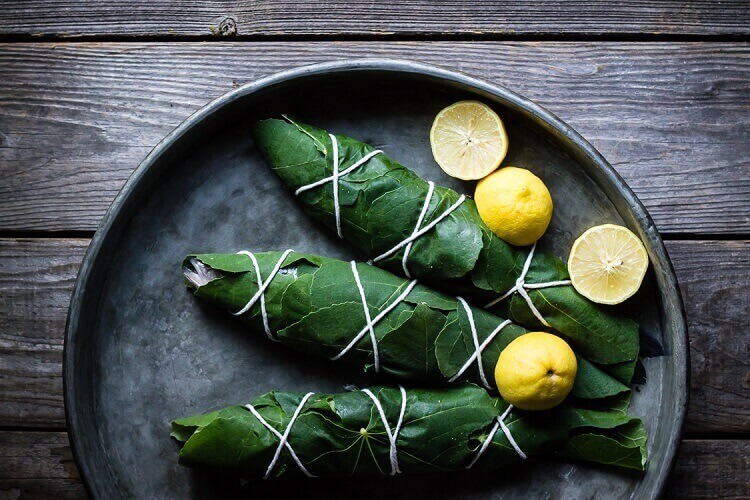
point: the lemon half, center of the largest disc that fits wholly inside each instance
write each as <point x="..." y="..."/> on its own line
<point x="536" y="371"/>
<point x="468" y="140"/>
<point x="607" y="264"/>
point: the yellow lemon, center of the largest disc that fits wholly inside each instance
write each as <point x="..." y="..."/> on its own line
<point x="515" y="204"/>
<point x="468" y="140"/>
<point x="607" y="264"/>
<point x="536" y="371"/>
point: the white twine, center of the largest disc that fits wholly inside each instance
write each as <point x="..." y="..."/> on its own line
<point x="417" y="231"/>
<point x="408" y="242"/>
<point x="392" y="435"/>
<point x="283" y="438"/>
<point x="335" y="179"/>
<point x="262" y="286"/>
<point x="370" y="326"/>
<point x="521" y="286"/>
<point x="371" y="323"/>
<point x="499" y="424"/>
<point x="420" y="219"/>
<point x="478" y="348"/>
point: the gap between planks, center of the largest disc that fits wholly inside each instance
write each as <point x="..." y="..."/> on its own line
<point x="37" y="276"/>
<point x="78" y="118"/>
<point x="339" y="18"/>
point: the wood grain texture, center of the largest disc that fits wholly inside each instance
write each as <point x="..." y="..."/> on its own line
<point x="714" y="279"/>
<point x="37" y="277"/>
<point x="70" y="18"/>
<point x="40" y="465"/>
<point x="36" y="280"/>
<point x="711" y="469"/>
<point x="673" y="118"/>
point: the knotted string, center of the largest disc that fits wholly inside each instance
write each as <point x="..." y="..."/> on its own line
<point x="262" y="286"/>
<point x="521" y="286"/>
<point x="283" y="438"/>
<point x="392" y="435"/>
<point x="335" y="179"/>
<point x="370" y="326"/>
<point x="478" y="348"/>
<point x="417" y="232"/>
<point x="499" y="424"/>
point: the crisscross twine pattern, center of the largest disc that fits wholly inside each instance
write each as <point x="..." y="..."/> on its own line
<point x="262" y="286"/>
<point x="478" y="348"/>
<point x="499" y="424"/>
<point x="418" y="230"/>
<point x="283" y="438"/>
<point x="370" y="326"/>
<point x="521" y="286"/>
<point x="335" y="179"/>
<point x="392" y="434"/>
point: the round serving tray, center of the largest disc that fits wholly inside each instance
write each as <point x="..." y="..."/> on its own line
<point x="141" y="351"/>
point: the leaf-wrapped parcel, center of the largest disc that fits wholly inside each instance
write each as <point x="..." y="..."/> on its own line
<point x="380" y="203"/>
<point x="315" y="305"/>
<point x="431" y="430"/>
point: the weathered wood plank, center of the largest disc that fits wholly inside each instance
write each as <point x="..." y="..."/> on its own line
<point x="40" y="465"/>
<point x="69" y="18"/>
<point x="76" y="119"/>
<point x="711" y="469"/>
<point x="36" y="280"/>
<point x="37" y="276"/>
<point x="714" y="279"/>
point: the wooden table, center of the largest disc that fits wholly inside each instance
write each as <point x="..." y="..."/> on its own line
<point x="661" y="88"/>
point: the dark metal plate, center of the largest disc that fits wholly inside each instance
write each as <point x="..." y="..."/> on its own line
<point x="141" y="351"/>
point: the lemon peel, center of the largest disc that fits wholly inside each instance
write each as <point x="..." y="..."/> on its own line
<point x="515" y="204"/>
<point x="536" y="371"/>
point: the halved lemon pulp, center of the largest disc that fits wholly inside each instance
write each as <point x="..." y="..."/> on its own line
<point x="468" y="140"/>
<point x="607" y="264"/>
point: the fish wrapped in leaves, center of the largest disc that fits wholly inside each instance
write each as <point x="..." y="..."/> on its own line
<point x="370" y="318"/>
<point x="418" y="229"/>
<point x="391" y="430"/>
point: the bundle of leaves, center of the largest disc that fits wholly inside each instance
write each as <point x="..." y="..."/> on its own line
<point x="431" y="430"/>
<point x="380" y="204"/>
<point x="314" y="304"/>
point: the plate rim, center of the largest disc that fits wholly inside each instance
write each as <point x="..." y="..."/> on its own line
<point x="667" y="279"/>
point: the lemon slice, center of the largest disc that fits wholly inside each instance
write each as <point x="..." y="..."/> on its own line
<point x="607" y="264"/>
<point x="468" y="140"/>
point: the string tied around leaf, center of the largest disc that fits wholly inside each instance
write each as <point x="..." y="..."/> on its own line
<point x="478" y="348"/>
<point x="521" y="288"/>
<point x="499" y="424"/>
<point x="283" y="438"/>
<point x="371" y="322"/>
<point x="418" y="230"/>
<point x="392" y="434"/>
<point x="334" y="179"/>
<point x="262" y="286"/>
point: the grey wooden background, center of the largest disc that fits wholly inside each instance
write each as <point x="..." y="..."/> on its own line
<point x="661" y="88"/>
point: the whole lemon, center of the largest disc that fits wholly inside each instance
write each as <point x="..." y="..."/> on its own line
<point x="536" y="371"/>
<point x="515" y="204"/>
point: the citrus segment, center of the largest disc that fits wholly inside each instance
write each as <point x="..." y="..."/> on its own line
<point x="468" y="140"/>
<point x="607" y="264"/>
